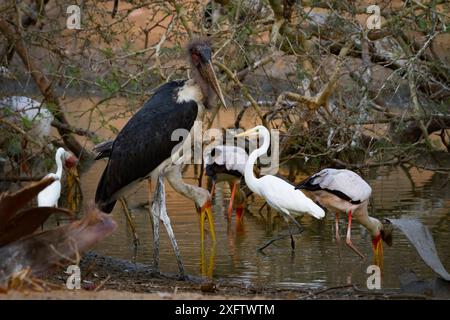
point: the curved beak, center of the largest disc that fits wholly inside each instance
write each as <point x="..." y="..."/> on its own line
<point x="208" y="73"/>
<point x="248" y="133"/>
<point x="377" y="246"/>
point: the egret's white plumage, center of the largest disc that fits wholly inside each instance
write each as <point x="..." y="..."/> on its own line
<point x="32" y="110"/>
<point x="279" y="194"/>
<point x="49" y="196"/>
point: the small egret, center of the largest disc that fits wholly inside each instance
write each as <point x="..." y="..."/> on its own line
<point x="342" y="190"/>
<point x="226" y="164"/>
<point x="49" y="196"/>
<point x="278" y="193"/>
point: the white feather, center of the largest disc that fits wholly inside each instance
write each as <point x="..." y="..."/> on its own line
<point x="345" y="181"/>
<point x="234" y="158"/>
<point x="49" y="197"/>
<point x="283" y="197"/>
<point x="190" y="92"/>
<point x="278" y="193"/>
<point x="33" y="111"/>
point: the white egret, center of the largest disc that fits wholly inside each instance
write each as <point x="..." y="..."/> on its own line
<point x="50" y="195"/>
<point x="278" y="193"/>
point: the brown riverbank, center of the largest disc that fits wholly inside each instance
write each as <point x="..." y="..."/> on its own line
<point x="109" y="278"/>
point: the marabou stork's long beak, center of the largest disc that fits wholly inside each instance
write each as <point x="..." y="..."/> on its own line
<point x="208" y="73"/>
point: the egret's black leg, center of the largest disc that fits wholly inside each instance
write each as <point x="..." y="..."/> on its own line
<point x="292" y="237"/>
<point x="299" y="226"/>
<point x="292" y="241"/>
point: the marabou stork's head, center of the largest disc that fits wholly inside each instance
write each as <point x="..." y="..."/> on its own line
<point x="200" y="55"/>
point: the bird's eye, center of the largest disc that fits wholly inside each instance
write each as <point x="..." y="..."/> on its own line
<point x="195" y="58"/>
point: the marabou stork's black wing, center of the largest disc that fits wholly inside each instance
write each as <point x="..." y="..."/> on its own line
<point x="145" y="142"/>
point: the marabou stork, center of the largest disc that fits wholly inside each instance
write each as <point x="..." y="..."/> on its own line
<point x="342" y="190"/>
<point x="226" y="164"/>
<point x="50" y="195"/>
<point x="143" y="148"/>
<point x="278" y="193"/>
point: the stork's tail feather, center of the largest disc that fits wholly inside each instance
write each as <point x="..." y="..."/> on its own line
<point x="103" y="149"/>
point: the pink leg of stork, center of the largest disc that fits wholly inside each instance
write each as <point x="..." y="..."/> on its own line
<point x="349" y="240"/>
<point x="230" y="207"/>
<point x="213" y="188"/>
<point x="338" y="237"/>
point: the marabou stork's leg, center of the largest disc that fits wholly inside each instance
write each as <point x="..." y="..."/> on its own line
<point x="126" y="211"/>
<point x="349" y="240"/>
<point x="230" y="206"/>
<point x="160" y="199"/>
<point x="155" y="210"/>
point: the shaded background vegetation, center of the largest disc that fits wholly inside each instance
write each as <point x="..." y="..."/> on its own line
<point x="341" y="94"/>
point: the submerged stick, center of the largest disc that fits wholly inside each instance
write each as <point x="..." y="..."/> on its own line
<point x="278" y="237"/>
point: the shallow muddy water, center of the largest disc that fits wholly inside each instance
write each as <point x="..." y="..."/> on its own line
<point x="419" y="194"/>
<point x="315" y="261"/>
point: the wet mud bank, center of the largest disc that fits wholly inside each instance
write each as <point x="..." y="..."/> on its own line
<point x="110" y="278"/>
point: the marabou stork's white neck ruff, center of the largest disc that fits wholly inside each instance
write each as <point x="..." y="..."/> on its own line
<point x="50" y="195"/>
<point x="342" y="190"/>
<point x="144" y="146"/>
<point x="279" y="194"/>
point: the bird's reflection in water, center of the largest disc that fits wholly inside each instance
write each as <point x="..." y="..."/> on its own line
<point x="207" y="270"/>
